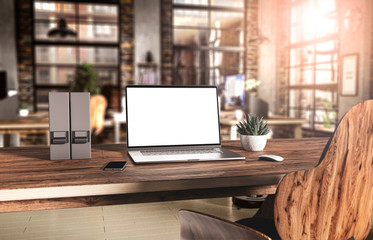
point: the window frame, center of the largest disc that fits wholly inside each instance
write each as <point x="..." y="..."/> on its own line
<point x="75" y="44"/>
<point x="332" y="87"/>
<point x="240" y="50"/>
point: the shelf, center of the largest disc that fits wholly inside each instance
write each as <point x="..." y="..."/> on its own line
<point x="74" y="65"/>
<point x="147" y="65"/>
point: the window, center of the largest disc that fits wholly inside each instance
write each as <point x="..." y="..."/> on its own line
<point x="313" y="63"/>
<point x="208" y="40"/>
<point x="97" y="43"/>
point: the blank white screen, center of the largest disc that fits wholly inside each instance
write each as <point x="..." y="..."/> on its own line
<point x="166" y="116"/>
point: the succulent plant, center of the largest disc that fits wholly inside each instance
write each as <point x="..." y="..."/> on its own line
<point x="252" y="125"/>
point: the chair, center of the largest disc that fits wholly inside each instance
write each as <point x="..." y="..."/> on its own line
<point x="195" y="225"/>
<point x="98" y="108"/>
<point x="334" y="200"/>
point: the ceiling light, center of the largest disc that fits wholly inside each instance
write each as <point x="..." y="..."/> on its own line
<point x="61" y="30"/>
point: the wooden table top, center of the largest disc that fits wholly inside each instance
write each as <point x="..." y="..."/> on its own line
<point x="33" y="121"/>
<point x="30" y="181"/>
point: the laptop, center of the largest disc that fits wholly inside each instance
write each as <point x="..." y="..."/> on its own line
<point x="174" y="124"/>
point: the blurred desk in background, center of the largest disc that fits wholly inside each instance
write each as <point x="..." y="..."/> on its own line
<point x="38" y="123"/>
<point x="34" y="123"/>
<point x="228" y="120"/>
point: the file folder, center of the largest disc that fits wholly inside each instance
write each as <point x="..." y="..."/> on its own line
<point x="59" y="125"/>
<point x="80" y="125"/>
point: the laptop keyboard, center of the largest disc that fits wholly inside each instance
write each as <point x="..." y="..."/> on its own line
<point x="178" y="152"/>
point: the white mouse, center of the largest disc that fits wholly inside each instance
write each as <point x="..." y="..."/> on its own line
<point x="271" y="157"/>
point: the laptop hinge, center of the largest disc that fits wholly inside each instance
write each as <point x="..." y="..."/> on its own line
<point x="174" y="147"/>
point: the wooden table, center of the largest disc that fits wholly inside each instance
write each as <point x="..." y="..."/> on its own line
<point x="34" y="123"/>
<point x="295" y="124"/>
<point x="30" y="181"/>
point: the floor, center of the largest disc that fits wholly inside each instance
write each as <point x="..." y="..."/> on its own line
<point x="133" y="221"/>
<point x="156" y="221"/>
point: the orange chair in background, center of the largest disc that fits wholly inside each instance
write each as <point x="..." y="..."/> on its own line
<point x="98" y="109"/>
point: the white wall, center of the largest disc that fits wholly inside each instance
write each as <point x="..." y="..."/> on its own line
<point x="147" y="32"/>
<point x="268" y="55"/>
<point x="358" y="41"/>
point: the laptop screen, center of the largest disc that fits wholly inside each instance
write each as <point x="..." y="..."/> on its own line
<point x="172" y="116"/>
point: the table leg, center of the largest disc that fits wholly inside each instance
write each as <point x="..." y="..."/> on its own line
<point x="233" y="132"/>
<point x="116" y="132"/>
<point x="47" y="138"/>
<point x="14" y="140"/>
<point x="298" y="131"/>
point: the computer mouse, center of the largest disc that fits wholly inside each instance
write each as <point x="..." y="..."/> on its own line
<point x="271" y="157"/>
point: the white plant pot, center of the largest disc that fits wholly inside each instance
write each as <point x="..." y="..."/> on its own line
<point x="253" y="143"/>
<point x="23" y="112"/>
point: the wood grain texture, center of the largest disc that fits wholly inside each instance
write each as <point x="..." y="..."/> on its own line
<point x="28" y="177"/>
<point x="195" y="225"/>
<point x="335" y="199"/>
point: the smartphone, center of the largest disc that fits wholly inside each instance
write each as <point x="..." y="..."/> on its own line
<point x="116" y="166"/>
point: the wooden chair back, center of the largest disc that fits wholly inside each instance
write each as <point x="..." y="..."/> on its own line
<point x="98" y="109"/>
<point x="195" y="225"/>
<point x="333" y="200"/>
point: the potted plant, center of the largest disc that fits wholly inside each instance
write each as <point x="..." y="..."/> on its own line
<point x="23" y="110"/>
<point x="330" y="115"/>
<point x="86" y="79"/>
<point x="253" y="133"/>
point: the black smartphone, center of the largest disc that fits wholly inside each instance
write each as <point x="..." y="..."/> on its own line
<point x="116" y="166"/>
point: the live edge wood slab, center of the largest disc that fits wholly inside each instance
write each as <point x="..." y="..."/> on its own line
<point x="30" y="181"/>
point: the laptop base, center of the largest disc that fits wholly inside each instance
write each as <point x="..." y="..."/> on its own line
<point x="219" y="154"/>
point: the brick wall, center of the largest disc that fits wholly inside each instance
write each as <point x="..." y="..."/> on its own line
<point x="126" y="42"/>
<point x="166" y="41"/>
<point x="24" y="30"/>
<point x="251" y="47"/>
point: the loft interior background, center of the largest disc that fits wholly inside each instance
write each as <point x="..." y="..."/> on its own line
<point x="299" y="67"/>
